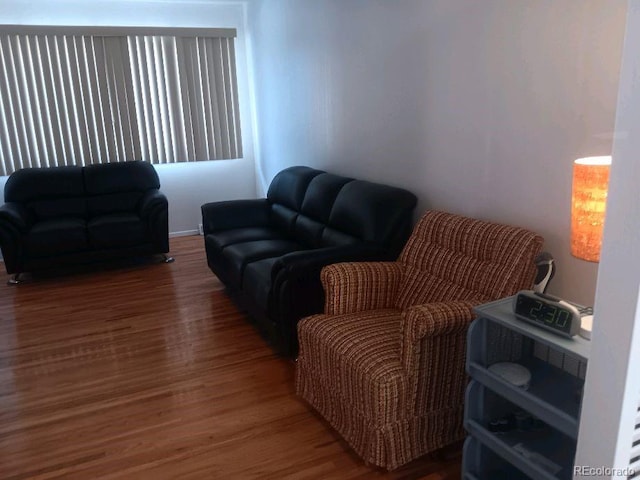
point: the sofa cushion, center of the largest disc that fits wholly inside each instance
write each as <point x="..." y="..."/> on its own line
<point x="372" y="212"/>
<point x="113" y="203"/>
<point x="48" y="193"/>
<point x="53" y="208"/>
<point x="283" y="218"/>
<point x="308" y="231"/>
<point x="256" y="281"/>
<point x="239" y="255"/>
<point x="117" y="187"/>
<point x="109" y="178"/>
<point x="57" y="236"/>
<point x="288" y="187"/>
<point x="335" y="238"/>
<point x="321" y="194"/>
<point x="116" y="230"/>
<point x="29" y="184"/>
<point x="220" y="240"/>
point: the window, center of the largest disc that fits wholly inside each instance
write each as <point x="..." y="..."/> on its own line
<point x="75" y="98"/>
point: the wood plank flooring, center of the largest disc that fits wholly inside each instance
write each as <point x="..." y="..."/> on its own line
<point x="150" y="372"/>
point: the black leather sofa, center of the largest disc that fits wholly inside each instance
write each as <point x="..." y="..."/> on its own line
<point x="269" y="252"/>
<point x="72" y="215"/>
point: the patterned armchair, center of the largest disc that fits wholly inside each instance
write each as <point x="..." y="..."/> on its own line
<point x="384" y="365"/>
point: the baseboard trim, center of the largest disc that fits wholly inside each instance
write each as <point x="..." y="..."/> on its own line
<point x="185" y="233"/>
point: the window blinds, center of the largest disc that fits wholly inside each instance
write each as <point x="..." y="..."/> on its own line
<point x="72" y="98"/>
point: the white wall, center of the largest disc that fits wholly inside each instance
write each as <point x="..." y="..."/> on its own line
<point x="186" y="185"/>
<point x="477" y="107"/>
<point x="612" y="390"/>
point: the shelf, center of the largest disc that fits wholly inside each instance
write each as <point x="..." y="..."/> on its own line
<point x="552" y="447"/>
<point x="551" y="395"/>
<point x="481" y="463"/>
<point x="501" y="312"/>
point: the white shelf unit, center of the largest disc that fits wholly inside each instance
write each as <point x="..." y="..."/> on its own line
<point x="553" y="397"/>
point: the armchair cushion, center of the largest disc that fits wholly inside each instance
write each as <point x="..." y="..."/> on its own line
<point x="453" y="257"/>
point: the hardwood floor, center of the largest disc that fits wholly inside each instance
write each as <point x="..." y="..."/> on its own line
<point x="150" y="372"/>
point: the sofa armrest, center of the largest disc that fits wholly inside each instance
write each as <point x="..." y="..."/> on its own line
<point x="304" y="262"/>
<point x="355" y="287"/>
<point x="299" y="272"/>
<point x="17" y="215"/>
<point x="151" y="200"/>
<point x="15" y="221"/>
<point x="231" y="214"/>
<point x="153" y="209"/>
<point x="296" y="289"/>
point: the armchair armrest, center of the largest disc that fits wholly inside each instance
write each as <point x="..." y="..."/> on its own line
<point x="17" y="215"/>
<point x="432" y="319"/>
<point x="433" y="350"/>
<point x="232" y="214"/>
<point x="356" y="287"/>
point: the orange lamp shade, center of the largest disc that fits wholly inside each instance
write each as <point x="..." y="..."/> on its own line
<point x="588" y="206"/>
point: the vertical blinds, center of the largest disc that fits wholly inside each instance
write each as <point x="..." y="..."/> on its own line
<point x="75" y="99"/>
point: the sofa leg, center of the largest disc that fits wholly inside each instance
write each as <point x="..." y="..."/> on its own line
<point x="14" y="280"/>
<point x="168" y="259"/>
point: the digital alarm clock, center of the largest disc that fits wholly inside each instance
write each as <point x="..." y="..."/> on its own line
<point x="548" y="312"/>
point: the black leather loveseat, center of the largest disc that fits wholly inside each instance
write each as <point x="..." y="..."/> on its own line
<point x="269" y="252"/>
<point x="70" y="215"/>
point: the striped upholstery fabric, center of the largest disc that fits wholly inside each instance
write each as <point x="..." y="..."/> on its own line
<point x="385" y="363"/>
<point x="354" y="287"/>
<point x="453" y="257"/>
